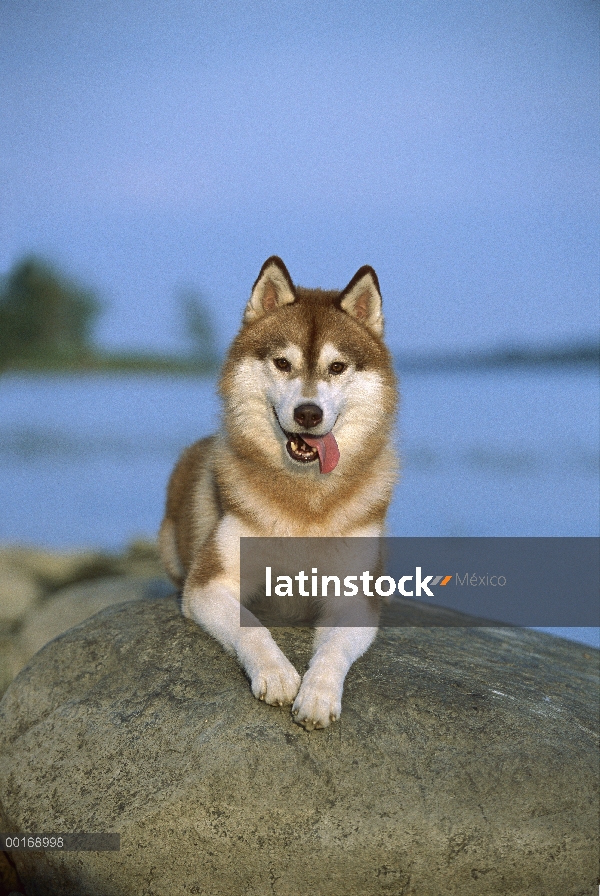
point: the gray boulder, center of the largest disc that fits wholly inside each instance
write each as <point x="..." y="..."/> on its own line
<point x="19" y="592"/>
<point x="465" y="762"/>
<point x="70" y="606"/>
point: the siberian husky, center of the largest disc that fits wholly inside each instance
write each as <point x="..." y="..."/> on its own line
<point x="306" y="449"/>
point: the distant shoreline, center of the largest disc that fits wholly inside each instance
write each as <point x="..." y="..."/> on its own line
<point x="580" y="354"/>
<point x="131" y="362"/>
<point x="583" y="354"/>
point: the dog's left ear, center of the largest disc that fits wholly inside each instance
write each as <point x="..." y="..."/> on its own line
<point x="273" y="288"/>
<point x="362" y="300"/>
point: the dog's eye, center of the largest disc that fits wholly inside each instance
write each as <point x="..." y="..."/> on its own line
<point x="282" y="364"/>
<point x="337" y="367"/>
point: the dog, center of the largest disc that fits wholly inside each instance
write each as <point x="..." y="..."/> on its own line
<point x="306" y="449"/>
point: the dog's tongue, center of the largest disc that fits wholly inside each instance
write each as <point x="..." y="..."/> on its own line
<point x="329" y="453"/>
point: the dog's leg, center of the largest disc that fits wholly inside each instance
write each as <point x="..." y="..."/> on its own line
<point x="319" y="700"/>
<point x="214" y="607"/>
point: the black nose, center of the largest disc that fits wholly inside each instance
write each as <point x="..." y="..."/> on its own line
<point x="308" y="415"/>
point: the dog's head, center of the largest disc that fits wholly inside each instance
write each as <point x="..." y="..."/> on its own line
<point x="308" y="383"/>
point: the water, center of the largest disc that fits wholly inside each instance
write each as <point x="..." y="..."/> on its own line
<point x="84" y="461"/>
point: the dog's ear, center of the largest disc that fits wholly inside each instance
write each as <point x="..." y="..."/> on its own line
<point x="362" y="300"/>
<point x="273" y="288"/>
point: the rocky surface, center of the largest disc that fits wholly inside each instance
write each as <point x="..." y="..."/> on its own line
<point x="44" y="593"/>
<point x="465" y="762"/>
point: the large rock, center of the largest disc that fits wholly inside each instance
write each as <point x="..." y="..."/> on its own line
<point x="19" y="592"/>
<point x="12" y="661"/>
<point x="465" y="762"/>
<point x="27" y="622"/>
<point x="70" y="606"/>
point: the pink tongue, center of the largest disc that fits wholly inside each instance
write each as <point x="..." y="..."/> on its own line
<point x="329" y="453"/>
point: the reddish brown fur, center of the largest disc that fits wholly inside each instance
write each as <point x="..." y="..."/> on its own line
<point x="314" y="319"/>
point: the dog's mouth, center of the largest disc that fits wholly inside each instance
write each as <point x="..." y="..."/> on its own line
<point x="306" y="449"/>
<point x="299" y="449"/>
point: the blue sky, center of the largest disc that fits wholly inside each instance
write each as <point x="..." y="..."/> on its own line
<point x="150" y="146"/>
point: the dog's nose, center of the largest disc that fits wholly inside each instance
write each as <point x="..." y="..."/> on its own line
<point x="308" y="415"/>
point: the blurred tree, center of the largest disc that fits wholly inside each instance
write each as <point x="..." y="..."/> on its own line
<point x="43" y="315"/>
<point x="200" y="329"/>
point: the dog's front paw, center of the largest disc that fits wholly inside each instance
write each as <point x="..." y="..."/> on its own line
<point x="276" y="683"/>
<point x="319" y="702"/>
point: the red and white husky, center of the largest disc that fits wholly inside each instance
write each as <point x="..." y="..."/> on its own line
<point x="306" y="449"/>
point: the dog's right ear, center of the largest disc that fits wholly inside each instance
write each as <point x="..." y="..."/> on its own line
<point x="273" y="288"/>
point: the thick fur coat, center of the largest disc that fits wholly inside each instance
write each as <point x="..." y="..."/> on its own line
<point x="306" y="449"/>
